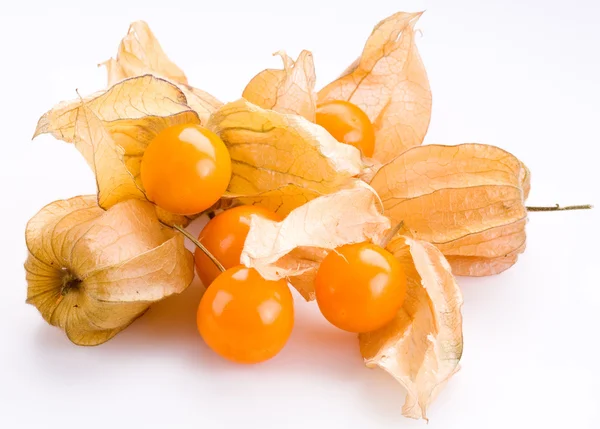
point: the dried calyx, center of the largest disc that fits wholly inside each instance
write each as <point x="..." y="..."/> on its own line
<point x="92" y="272"/>
<point x="69" y="281"/>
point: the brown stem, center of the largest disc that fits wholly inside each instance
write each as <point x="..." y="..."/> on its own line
<point x="200" y="246"/>
<point x="391" y="234"/>
<point x="557" y="208"/>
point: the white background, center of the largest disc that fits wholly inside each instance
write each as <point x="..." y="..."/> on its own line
<point x="523" y="75"/>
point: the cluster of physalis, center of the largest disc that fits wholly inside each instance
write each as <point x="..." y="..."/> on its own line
<point x="243" y="317"/>
<point x="330" y="192"/>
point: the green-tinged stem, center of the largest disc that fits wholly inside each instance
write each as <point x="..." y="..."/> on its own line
<point x="200" y="246"/>
<point x="557" y="208"/>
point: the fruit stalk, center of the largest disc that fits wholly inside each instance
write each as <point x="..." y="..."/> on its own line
<point x="559" y="208"/>
<point x="200" y="246"/>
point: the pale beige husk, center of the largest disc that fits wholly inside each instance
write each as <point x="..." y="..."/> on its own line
<point x="388" y="81"/>
<point x="93" y="272"/>
<point x="140" y="53"/>
<point x="291" y="90"/>
<point x="422" y="346"/>
<point x="279" y="160"/>
<point x="112" y="129"/>
<point x="468" y="200"/>
<point x="294" y="247"/>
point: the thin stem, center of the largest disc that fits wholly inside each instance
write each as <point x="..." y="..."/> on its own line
<point x="557" y="208"/>
<point x="391" y="234"/>
<point x="200" y="246"/>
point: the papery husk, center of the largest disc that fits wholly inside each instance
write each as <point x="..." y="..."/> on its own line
<point x="388" y="81"/>
<point x="112" y="130"/>
<point x="291" y="90"/>
<point x="281" y="161"/>
<point x="92" y="272"/>
<point x="140" y="53"/>
<point x="295" y="247"/>
<point x="468" y="200"/>
<point x="421" y="348"/>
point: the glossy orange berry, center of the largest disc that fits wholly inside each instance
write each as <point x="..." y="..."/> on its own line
<point x="224" y="237"/>
<point x="348" y="124"/>
<point x="360" y="287"/>
<point x="245" y="318"/>
<point x="185" y="169"/>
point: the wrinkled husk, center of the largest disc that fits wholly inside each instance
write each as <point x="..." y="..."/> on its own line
<point x="140" y="53"/>
<point x="468" y="200"/>
<point x="422" y="346"/>
<point x="112" y="129"/>
<point x="93" y="272"/>
<point x="389" y="83"/>
<point x="281" y="161"/>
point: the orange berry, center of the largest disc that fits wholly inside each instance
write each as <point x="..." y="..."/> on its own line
<point x="224" y="237"/>
<point x="360" y="287"/>
<point x="245" y="318"/>
<point x="348" y="124"/>
<point x="185" y="169"/>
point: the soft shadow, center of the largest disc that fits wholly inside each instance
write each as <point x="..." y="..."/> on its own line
<point x="315" y="345"/>
<point x="315" y="349"/>
<point x="331" y="355"/>
<point x="167" y="327"/>
<point x="382" y="394"/>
